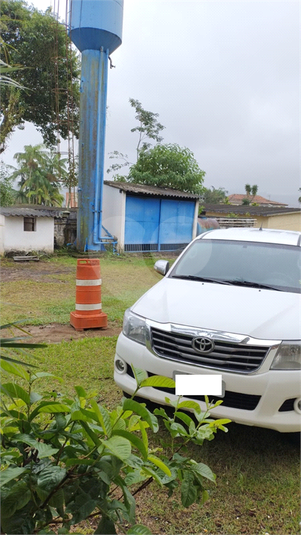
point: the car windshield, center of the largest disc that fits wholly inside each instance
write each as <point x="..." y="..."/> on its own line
<point x="241" y="263"/>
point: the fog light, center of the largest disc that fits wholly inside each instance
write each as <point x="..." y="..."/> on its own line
<point x="297" y="405"/>
<point x="120" y="365"/>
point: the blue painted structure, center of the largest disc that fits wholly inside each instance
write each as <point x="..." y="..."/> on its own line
<point x="157" y="224"/>
<point x="96" y="30"/>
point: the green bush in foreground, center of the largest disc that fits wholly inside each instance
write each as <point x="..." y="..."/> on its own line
<point x="66" y="460"/>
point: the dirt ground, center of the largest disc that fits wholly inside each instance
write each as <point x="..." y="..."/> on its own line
<point x="56" y="332"/>
<point x="53" y="332"/>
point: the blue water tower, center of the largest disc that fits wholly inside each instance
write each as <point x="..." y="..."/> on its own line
<point x="96" y="30"/>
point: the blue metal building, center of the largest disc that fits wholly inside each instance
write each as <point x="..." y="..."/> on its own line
<point x="145" y="218"/>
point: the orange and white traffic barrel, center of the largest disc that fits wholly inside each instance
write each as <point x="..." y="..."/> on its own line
<point x="88" y="309"/>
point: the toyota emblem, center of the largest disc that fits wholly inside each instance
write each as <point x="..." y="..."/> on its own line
<point x="203" y="345"/>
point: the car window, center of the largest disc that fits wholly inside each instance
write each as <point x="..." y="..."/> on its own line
<point x="238" y="261"/>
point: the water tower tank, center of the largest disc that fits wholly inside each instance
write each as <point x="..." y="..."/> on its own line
<point x="96" y="23"/>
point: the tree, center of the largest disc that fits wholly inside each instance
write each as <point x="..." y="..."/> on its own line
<point x="248" y="189"/>
<point x="7" y="193"/>
<point x="148" y="128"/>
<point x="214" y="195"/>
<point x="299" y="197"/>
<point x="168" y="166"/>
<point x="39" y="174"/>
<point x="37" y="41"/>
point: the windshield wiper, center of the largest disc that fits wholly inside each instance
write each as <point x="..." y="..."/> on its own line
<point x="201" y="279"/>
<point x="251" y="284"/>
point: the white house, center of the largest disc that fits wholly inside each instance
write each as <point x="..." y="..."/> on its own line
<point x="26" y="230"/>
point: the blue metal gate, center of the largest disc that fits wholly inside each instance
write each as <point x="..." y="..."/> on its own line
<point x="157" y="224"/>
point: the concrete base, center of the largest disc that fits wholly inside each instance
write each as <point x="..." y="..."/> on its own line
<point x="81" y="321"/>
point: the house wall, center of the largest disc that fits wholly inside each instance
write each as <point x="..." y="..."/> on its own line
<point x="282" y="222"/>
<point x="16" y="239"/>
<point x="2" y="227"/>
<point x="290" y="221"/>
<point x="113" y="213"/>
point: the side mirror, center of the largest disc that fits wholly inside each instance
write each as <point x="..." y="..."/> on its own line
<point x="162" y="266"/>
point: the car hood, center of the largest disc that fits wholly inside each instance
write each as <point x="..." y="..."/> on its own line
<point x="264" y="314"/>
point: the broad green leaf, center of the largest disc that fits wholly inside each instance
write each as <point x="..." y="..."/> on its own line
<point x="136" y="441"/>
<point x="188" y="489"/>
<point x="15" y="369"/>
<point x="134" y="477"/>
<point x="34" y="397"/>
<point x="158" y="381"/>
<point x="203" y="470"/>
<point x="190" y="404"/>
<point x="103" y="417"/>
<point x="185" y="418"/>
<point x="16" y="498"/>
<point x="106" y="526"/>
<point x="80" y="392"/>
<point x="130" y="404"/>
<point x="119" y="446"/>
<point x="178" y="430"/>
<point x="138" y="529"/>
<point x="75" y="462"/>
<point x="140" y="375"/>
<point x="15" y="391"/>
<point x="143" y="435"/>
<point x="54" y="407"/>
<point x="160" y="464"/>
<point x="11" y="473"/>
<point x="129" y="502"/>
<point x="50" y="477"/>
<point x="91" y="433"/>
<point x="133" y="424"/>
<point x="45" y="450"/>
<point x="153" y="474"/>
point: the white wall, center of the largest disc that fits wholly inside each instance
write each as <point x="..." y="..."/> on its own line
<point x="16" y="239"/>
<point x="113" y="213"/>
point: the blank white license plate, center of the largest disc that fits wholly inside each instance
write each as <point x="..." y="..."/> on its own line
<point x="192" y="384"/>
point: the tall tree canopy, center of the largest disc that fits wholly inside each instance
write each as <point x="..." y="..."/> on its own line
<point x="36" y="40"/>
<point x="168" y="166"/>
<point x="214" y="195"/>
<point x="40" y="174"/>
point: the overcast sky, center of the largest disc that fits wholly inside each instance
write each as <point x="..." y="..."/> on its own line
<point x="223" y="77"/>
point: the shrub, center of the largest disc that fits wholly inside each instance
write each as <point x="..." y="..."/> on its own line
<point x="66" y="460"/>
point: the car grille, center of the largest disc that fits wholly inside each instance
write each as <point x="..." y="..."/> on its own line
<point x="228" y="356"/>
<point x="235" y="400"/>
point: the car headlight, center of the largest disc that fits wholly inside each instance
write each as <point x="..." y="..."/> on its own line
<point x="135" y="327"/>
<point x="288" y="357"/>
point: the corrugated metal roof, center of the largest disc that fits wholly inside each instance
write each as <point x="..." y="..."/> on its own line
<point x="13" y="211"/>
<point x="250" y="210"/>
<point x="141" y="189"/>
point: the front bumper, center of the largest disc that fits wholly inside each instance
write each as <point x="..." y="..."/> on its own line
<point x="268" y="398"/>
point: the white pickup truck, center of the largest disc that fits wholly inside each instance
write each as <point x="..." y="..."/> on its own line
<point x="229" y="305"/>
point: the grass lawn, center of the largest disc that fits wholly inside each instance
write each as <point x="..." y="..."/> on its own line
<point x="257" y="470"/>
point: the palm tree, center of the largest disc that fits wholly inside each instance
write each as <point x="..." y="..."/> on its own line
<point x="248" y="189"/>
<point x="39" y="172"/>
<point x="254" y="190"/>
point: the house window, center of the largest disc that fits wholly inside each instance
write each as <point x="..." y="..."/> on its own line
<point x="29" y="224"/>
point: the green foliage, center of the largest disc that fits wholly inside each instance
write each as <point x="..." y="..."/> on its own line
<point x="66" y="459"/>
<point x="148" y="128"/>
<point x="7" y="194"/>
<point x="214" y="195"/>
<point x="38" y="42"/>
<point x="168" y="166"/>
<point x="40" y="173"/>
<point x="251" y="191"/>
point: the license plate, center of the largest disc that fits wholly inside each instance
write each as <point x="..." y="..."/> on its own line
<point x="183" y="373"/>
